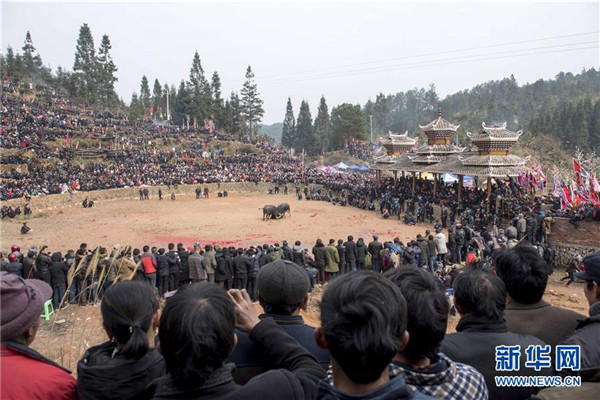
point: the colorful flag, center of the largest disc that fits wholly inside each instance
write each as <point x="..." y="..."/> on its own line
<point x="67" y="141"/>
<point x="150" y="111"/>
<point x="577" y="169"/>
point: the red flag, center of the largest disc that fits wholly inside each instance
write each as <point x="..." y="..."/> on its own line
<point x="150" y="110"/>
<point x="186" y="157"/>
<point x="67" y="141"/>
<point x="577" y="169"/>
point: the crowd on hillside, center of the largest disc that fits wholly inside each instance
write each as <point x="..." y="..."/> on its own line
<point x="398" y="351"/>
<point x="361" y="150"/>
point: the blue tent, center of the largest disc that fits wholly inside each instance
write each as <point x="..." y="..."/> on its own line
<point x="363" y="168"/>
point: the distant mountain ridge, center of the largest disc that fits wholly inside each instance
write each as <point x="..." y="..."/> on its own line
<point x="273" y="131"/>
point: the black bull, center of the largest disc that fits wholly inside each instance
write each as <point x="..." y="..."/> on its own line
<point x="273" y="212"/>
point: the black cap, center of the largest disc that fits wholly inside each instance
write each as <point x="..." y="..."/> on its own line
<point x="591" y="262"/>
<point x="282" y="282"/>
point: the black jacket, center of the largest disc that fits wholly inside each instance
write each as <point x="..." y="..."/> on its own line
<point x="342" y="253"/>
<point x="14" y="267"/>
<point x="102" y="376"/>
<point x="320" y="257"/>
<point x="28" y="269"/>
<point x="295" y="373"/>
<point x="361" y="250"/>
<point x="374" y="248"/>
<point x="351" y="252"/>
<point x="298" y="255"/>
<point x="242" y="266"/>
<point x="162" y="265"/>
<point x="586" y="335"/>
<point x="185" y="266"/>
<point x="224" y="269"/>
<point x="474" y="344"/>
<point x="287" y="252"/>
<point x="249" y="361"/>
<point x="42" y="265"/>
<point x="58" y="271"/>
<point x="174" y="263"/>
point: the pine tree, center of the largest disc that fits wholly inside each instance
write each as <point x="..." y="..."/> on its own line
<point x="252" y="111"/>
<point x="348" y="122"/>
<point x="305" y="133"/>
<point x="323" y="126"/>
<point x="28" y="57"/>
<point x="288" y="133"/>
<point x="217" y="109"/>
<point x="156" y="98"/>
<point x="145" y="99"/>
<point x="10" y="62"/>
<point x="199" y="89"/>
<point x="237" y="118"/>
<point x="136" y="109"/>
<point x="106" y="74"/>
<point x="182" y="107"/>
<point x="85" y="66"/>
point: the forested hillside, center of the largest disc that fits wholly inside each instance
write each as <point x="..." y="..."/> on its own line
<point x="566" y="108"/>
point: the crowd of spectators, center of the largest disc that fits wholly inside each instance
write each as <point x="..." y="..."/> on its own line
<point x="397" y="351"/>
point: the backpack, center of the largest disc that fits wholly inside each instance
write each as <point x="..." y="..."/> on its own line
<point x="387" y="259"/>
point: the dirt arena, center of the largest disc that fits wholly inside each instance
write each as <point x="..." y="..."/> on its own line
<point x="235" y="220"/>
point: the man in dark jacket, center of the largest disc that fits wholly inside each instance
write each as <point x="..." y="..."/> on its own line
<point x="224" y="271"/>
<point x="58" y="277"/>
<point x="282" y="293"/>
<point x="174" y="267"/>
<point x="319" y="253"/>
<point x="195" y="363"/>
<point x="361" y="254"/>
<point x="14" y="266"/>
<point x="588" y="330"/>
<point x="351" y="254"/>
<point x="480" y="299"/>
<point x="342" y="254"/>
<point x="28" y="265"/>
<point x="525" y="275"/>
<point x="196" y="267"/>
<point x="423" y="258"/>
<point x="242" y="267"/>
<point x="149" y="265"/>
<point x="184" y="254"/>
<point x="374" y="249"/>
<point x="162" y="261"/>
<point x="42" y="265"/>
<point x="287" y="251"/>
<point x="298" y="254"/>
<point x="361" y="353"/>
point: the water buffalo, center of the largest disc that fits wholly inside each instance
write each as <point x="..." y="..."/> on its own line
<point x="270" y="212"/>
<point x="284" y="208"/>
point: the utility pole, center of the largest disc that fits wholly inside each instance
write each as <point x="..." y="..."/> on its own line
<point x="371" y="119"/>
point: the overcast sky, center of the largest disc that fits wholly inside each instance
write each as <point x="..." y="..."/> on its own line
<point x="348" y="52"/>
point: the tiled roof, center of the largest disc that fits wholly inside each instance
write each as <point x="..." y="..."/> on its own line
<point x="439" y="124"/>
<point x="439" y="148"/>
<point x="491" y="160"/>
<point x="494" y="132"/>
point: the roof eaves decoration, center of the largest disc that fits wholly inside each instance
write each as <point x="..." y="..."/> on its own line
<point x="494" y="132"/>
<point x="439" y="124"/>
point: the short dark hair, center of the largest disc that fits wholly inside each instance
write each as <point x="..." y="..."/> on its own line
<point x="197" y="329"/>
<point x="524" y="272"/>
<point x="427" y="311"/>
<point x="145" y="248"/>
<point x="171" y="246"/>
<point x="362" y="318"/>
<point x="481" y="294"/>
<point x="127" y="310"/>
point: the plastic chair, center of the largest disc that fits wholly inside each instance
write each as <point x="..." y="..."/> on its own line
<point x="48" y="310"/>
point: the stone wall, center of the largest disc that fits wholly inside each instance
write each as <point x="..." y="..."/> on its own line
<point x="41" y="203"/>
<point x="569" y="240"/>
